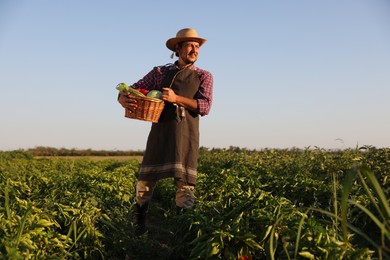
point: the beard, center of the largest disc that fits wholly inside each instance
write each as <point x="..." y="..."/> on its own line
<point x="191" y="58"/>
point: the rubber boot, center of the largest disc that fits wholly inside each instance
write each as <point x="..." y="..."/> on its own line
<point x="140" y="223"/>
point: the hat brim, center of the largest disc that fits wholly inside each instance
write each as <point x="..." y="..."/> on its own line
<point x="173" y="41"/>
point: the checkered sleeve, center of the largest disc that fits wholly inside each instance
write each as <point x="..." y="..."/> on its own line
<point x="152" y="80"/>
<point x="204" y="96"/>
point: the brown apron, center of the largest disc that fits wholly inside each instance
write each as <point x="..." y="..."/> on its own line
<point x="173" y="142"/>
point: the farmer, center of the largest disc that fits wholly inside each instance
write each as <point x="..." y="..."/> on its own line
<point x="173" y="142"/>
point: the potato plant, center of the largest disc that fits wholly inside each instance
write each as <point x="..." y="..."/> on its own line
<point x="59" y="208"/>
<point x="274" y="204"/>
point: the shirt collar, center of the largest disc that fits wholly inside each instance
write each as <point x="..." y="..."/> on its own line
<point x="192" y="66"/>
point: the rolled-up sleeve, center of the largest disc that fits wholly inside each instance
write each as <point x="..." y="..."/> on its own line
<point x="204" y="96"/>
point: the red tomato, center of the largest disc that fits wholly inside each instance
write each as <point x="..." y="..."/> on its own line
<point x="143" y="91"/>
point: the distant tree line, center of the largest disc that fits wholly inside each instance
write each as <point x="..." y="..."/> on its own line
<point x="51" y="151"/>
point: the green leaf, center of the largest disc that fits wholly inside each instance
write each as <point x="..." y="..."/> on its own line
<point x="307" y="255"/>
<point x="45" y="223"/>
<point x="344" y="201"/>
<point x="379" y="193"/>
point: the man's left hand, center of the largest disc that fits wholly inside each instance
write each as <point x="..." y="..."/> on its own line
<point x="169" y="95"/>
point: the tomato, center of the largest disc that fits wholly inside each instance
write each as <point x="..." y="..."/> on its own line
<point x="143" y="91"/>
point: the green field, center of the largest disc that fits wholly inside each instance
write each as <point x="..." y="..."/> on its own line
<point x="269" y="204"/>
<point x="95" y="158"/>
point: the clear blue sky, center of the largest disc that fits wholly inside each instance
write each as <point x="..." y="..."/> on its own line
<point x="286" y="73"/>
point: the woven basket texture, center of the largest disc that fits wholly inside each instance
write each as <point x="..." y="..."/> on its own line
<point x="148" y="109"/>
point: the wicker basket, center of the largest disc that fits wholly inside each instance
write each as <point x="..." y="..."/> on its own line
<point x="148" y="109"/>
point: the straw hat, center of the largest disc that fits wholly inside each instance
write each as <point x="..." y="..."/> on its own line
<point x="186" y="34"/>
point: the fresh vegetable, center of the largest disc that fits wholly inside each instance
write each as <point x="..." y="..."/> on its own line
<point x="143" y="91"/>
<point x="123" y="87"/>
<point x="155" y="94"/>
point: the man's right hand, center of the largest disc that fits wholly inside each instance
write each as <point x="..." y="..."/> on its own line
<point x="128" y="102"/>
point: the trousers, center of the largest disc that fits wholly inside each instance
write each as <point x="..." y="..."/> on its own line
<point x="185" y="197"/>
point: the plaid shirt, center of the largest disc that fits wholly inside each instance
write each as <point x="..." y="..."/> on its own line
<point x="204" y="96"/>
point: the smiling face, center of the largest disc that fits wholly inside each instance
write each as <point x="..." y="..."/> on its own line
<point x="188" y="52"/>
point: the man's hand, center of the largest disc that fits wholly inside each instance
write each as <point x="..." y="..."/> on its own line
<point x="127" y="102"/>
<point x="169" y="95"/>
<point x="188" y="103"/>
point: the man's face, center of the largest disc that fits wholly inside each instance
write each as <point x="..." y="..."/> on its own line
<point x="188" y="53"/>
